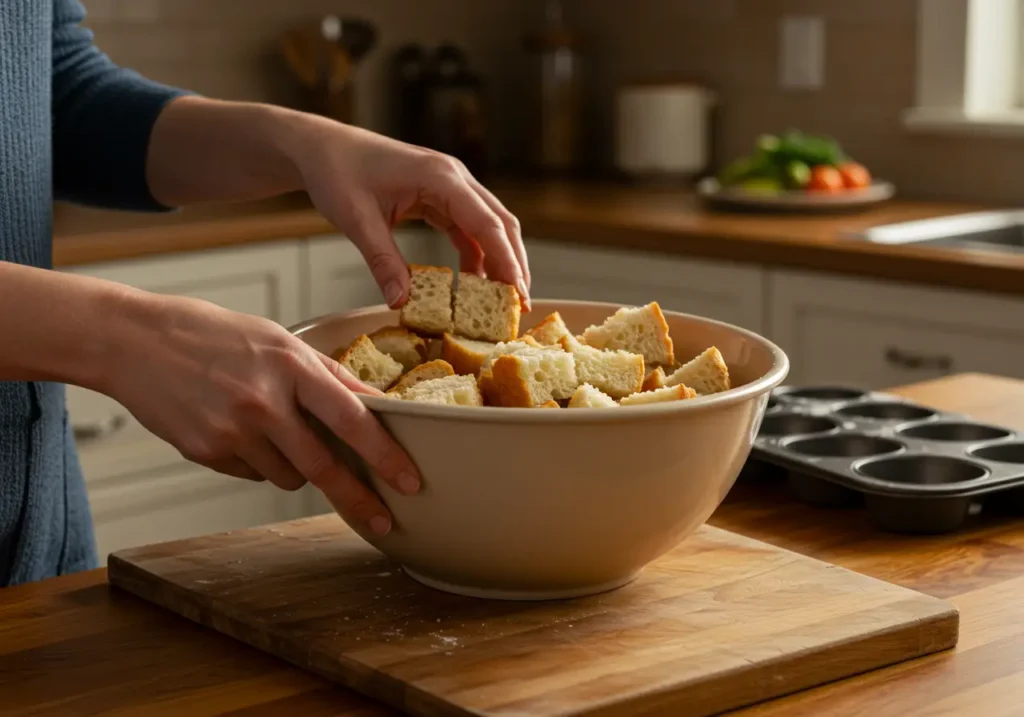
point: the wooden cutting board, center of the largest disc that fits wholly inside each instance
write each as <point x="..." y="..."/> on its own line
<point x="722" y="621"/>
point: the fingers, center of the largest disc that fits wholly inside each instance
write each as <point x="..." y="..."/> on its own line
<point x="471" y="256"/>
<point x="310" y="457"/>
<point x="449" y="193"/>
<point x="237" y="468"/>
<point x="359" y="505"/>
<point x="371" y="234"/>
<point x="512" y="226"/>
<point x="324" y="394"/>
<point x="268" y="462"/>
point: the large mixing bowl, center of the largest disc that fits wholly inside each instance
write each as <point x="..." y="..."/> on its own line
<point x="545" y="504"/>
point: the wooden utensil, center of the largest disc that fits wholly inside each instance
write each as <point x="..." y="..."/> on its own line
<point x="722" y="621"/>
<point x="322" y="66"/>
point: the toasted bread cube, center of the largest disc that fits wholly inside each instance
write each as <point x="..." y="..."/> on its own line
<point x="509" y="347"/>
<point x="402" y="345"/>
<point x="429" y="307"/>
<point x="424" y="372"/>
<point x="549" y="404"/>
<point x="587" y="396"/>
<point x="661" y="395"/>
<point x="469" y="356"/>
<point x="640" y="330"/>
<point x="370" y="365"/>
<point x="466" y="356"/>
<point x="550" y="330"/>
<point x="616" y="373"/>
<point x="486" y="310"/>
<point x="447" y="391"/>
<point x="528" y="378"/>
<point x="654" y="379"/>
<point x="705" y="374"/>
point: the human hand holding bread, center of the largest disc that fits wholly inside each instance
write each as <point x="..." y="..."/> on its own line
<point x="460" y="345"/>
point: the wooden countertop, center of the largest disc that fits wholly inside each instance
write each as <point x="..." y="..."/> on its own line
<point x="666" y="220"/>
<point x="74" y="646"/>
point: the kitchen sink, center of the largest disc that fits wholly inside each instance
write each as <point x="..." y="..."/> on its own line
<point x="1001" y="231"/>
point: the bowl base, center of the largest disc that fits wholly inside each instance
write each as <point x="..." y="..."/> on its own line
<point x="520" y="595"/>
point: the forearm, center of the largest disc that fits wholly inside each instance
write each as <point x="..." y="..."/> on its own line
<point x="61" y="327"/>
<point x="204" y="150"/>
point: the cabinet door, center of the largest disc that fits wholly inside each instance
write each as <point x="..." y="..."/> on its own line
<point x="140" y="487"/>
<point x="727" y="292"/>
<point x="339" y="279"/>
<point x="877" y="335"/>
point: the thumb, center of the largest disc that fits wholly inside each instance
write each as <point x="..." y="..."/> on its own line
<point x="372" y="235"/>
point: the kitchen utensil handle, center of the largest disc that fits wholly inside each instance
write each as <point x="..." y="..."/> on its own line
<point x="97" y="430"/>
<point x="917" y="362"/>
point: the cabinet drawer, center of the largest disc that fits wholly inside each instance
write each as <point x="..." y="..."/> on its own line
<point x="878" y="335"/>
<point x="182" y="501"/>
<point x="717" y="290"/>
<point x="263" y="281"/>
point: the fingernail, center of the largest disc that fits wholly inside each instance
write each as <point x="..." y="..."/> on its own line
<point x="408" y="483"/>
<point x="392" y="292"/>
<point x="524" y="293"/>
<point x="380" y="525"/>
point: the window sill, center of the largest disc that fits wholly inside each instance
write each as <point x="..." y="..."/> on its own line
<point x="927" y="120"/>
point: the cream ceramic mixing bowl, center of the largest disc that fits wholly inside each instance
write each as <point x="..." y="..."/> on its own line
<point x="546" y="504"/>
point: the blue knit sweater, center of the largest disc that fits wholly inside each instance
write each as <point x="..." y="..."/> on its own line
<point x="74" y="126"/>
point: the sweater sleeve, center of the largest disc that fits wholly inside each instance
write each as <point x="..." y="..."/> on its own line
<point x="103" y="116"/>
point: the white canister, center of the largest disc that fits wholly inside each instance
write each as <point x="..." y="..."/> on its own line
<point x="662" y="129"/>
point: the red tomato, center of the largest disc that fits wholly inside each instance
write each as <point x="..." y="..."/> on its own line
<point x="825" y="178"/>
<point x="855" y="176"/>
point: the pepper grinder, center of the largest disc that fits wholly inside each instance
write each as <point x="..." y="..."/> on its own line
<point x="557" y="131"/>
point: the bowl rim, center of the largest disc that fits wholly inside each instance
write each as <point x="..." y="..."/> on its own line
<point x="492" y="414"/>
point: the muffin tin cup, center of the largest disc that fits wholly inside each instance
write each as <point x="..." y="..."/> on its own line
<point x="915" y="469"/>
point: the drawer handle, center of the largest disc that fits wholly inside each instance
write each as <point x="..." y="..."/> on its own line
<point x="917" y="362"/>
<point x="85" y="433"/>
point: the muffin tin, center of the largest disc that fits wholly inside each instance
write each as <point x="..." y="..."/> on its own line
<point x="916" y="469"/>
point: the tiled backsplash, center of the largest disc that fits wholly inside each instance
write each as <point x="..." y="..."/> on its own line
<point x="732" y="47"/>
<point x="228" y="48"/>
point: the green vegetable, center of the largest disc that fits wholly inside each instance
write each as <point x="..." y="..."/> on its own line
<point x="762" y="185"/>
<point x="781" y="161"/>
<point x="759" y="165"/>
<point x="797" y="174"/>
<point x="768" y="144"/>
<point x="809" y="149"/>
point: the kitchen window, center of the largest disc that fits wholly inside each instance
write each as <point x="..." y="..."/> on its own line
<point x="970" y="67"/>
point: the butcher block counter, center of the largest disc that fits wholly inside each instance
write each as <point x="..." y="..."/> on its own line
<point x="602" y="215"/>
<point x="76" y="646"/>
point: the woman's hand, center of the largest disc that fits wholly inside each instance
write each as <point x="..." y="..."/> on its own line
<point x="365" y="184"/>
<point x="228" y="390"/>
<point x="205" y="150"/>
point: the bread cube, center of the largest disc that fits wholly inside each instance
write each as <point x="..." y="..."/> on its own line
<point x="429" y="307"/>
<point x="486" y="310"/>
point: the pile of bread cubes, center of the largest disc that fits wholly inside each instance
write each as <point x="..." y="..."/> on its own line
<point x="463" y="348"/>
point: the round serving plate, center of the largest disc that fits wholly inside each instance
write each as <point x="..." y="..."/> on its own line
<point x="795" y="201"/>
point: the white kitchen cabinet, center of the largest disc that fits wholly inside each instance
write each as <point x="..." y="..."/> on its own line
<point x="732" y="293"/>
<point x="338" y="278"/>
<point x="140" y="488"/>
<point x="874" y="334"/>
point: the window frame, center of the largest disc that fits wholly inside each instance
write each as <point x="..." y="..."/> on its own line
<point x="970" y="74"/>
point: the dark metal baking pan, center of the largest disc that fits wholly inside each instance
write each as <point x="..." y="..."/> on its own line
<point x="914" y="468"/>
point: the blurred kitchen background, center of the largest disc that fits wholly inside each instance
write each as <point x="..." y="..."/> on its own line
<point x="591" y="119"/>
<point x="232" y="49"/>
